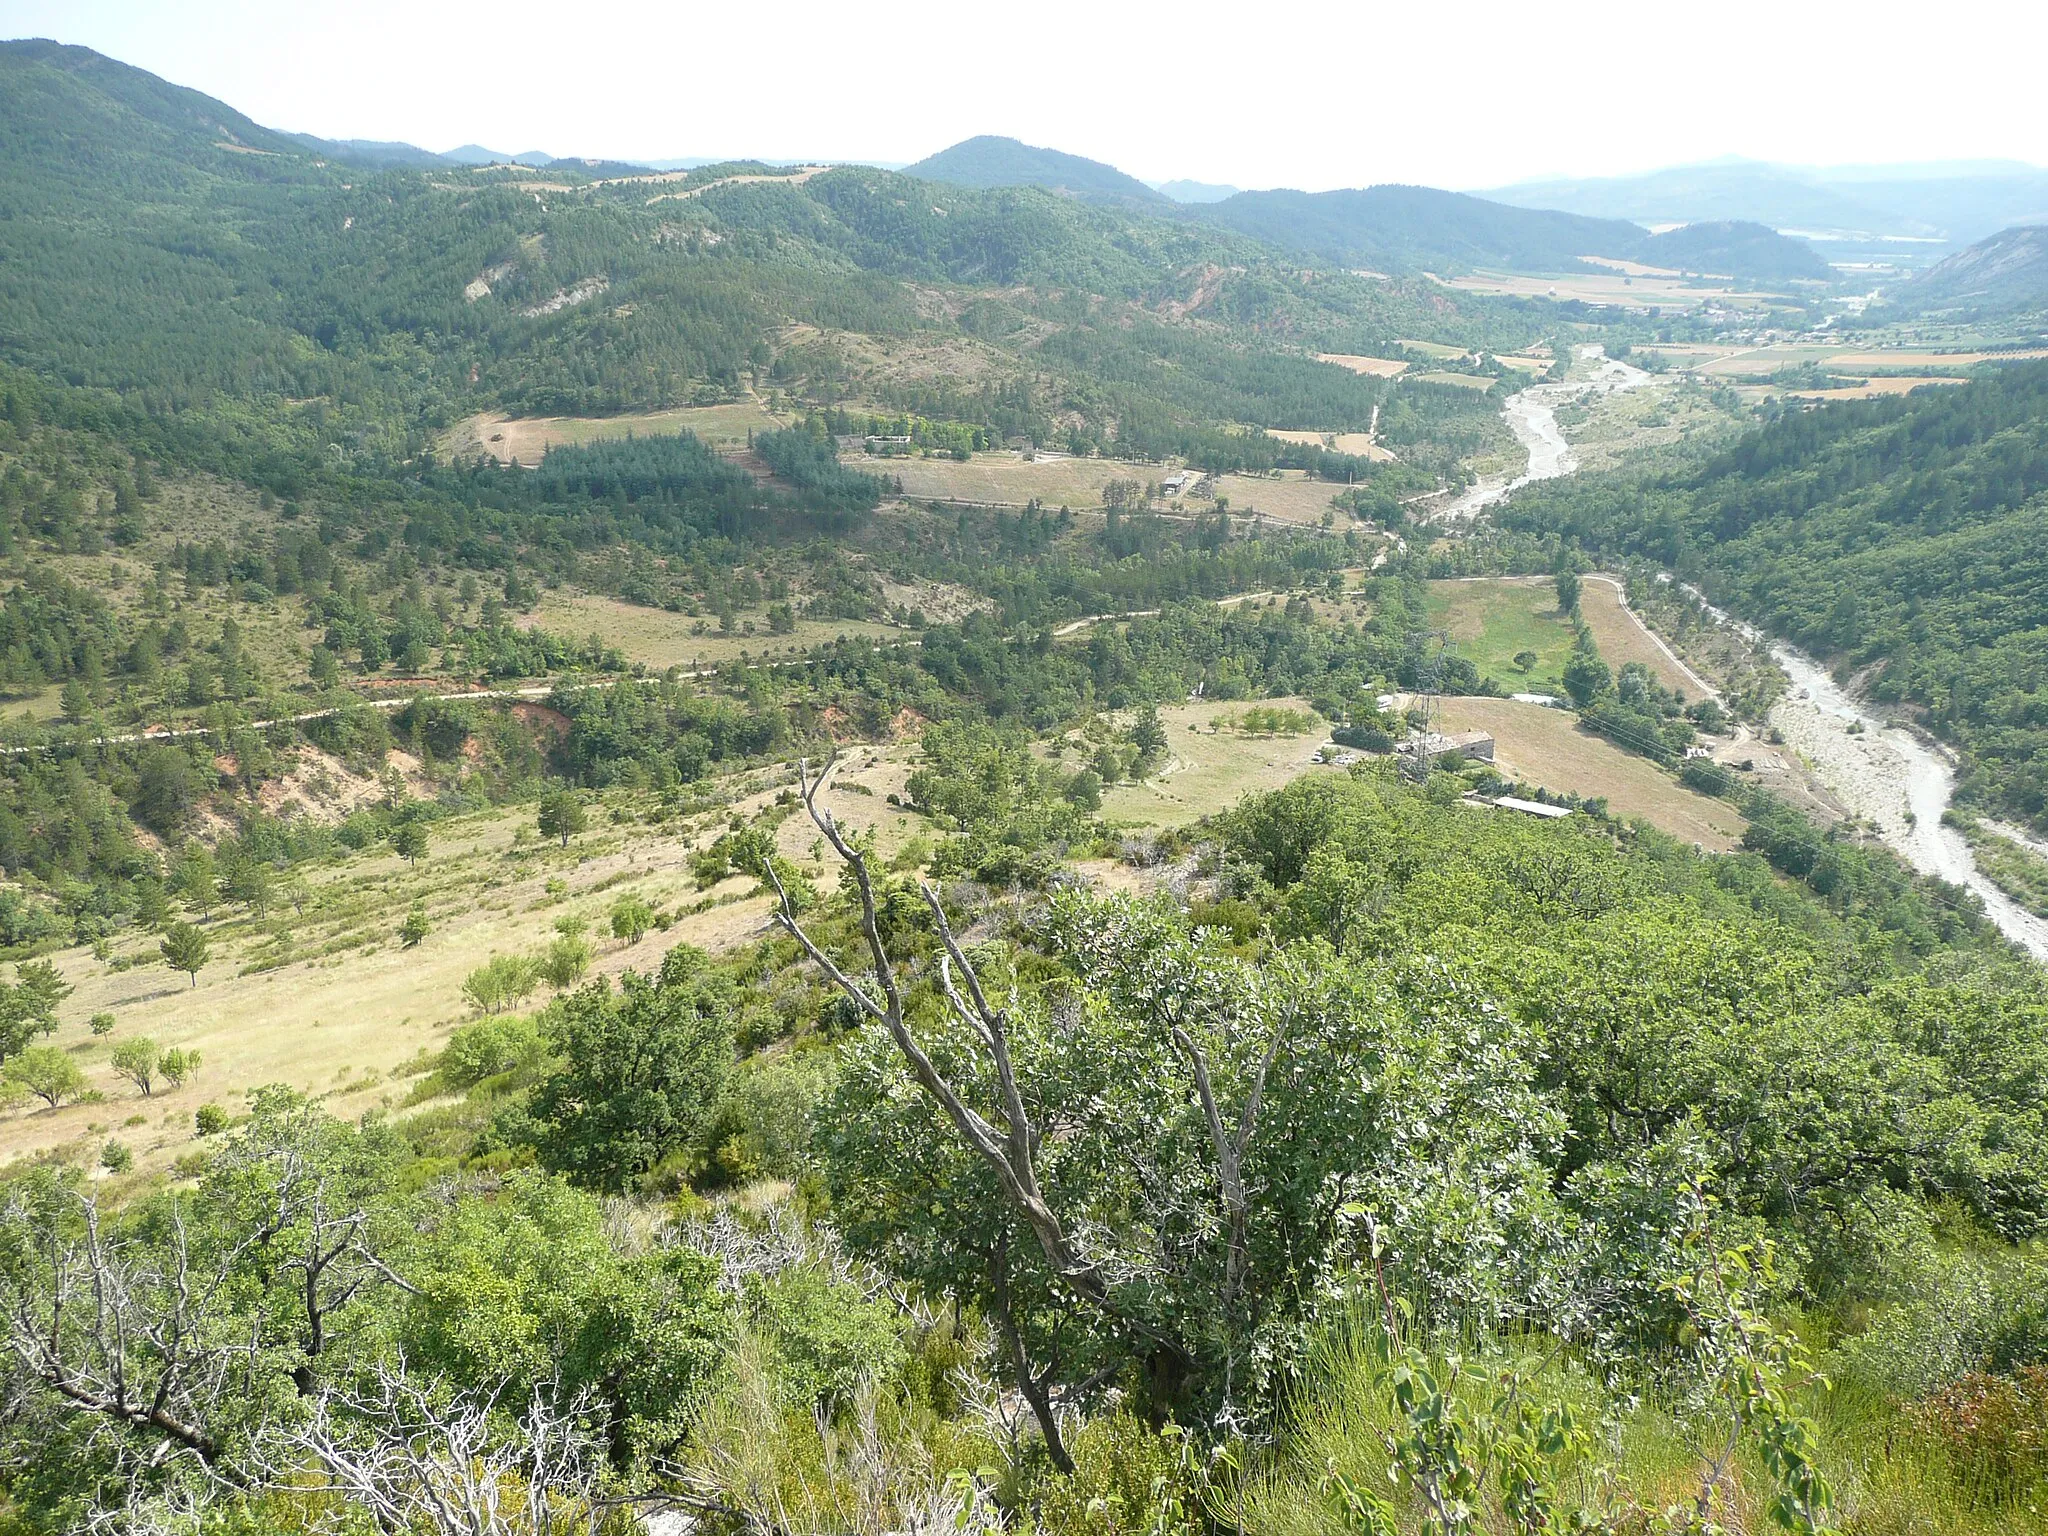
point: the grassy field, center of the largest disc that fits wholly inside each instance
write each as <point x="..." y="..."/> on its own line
<point x="1897" y="384"/>
<point x="1008" y="479"/>
<point x="350" y="1019"/>
<point x="663" y="639"/>
<point x="1436" y="349"/>
<point x="1210" y="769"/>
<point x="1492" y="620"/>
<point x="1611" y="288"/>
<point x="527" y="438"/>
<point x="1545" y="746"/>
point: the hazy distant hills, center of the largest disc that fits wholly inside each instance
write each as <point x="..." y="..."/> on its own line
<point x="2005" y="274"/>
<point x="1389" y="228"/>
<point x="1195" y="191"/>
<point x="1904" y="206"/>
<point x="992" y="161"/>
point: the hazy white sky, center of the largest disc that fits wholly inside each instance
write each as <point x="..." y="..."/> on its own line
<point x="1316" y="94"/>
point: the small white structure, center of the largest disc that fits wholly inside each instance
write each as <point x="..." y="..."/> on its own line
<point x="1533" y="807"/>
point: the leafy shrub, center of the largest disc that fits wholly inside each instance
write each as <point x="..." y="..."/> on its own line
<point x="209" y="1120"/>
<point x="827" y="1337"/>
<point x="486" y="1048"/>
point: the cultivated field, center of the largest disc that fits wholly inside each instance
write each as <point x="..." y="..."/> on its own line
<point x="1622" y="639"/>
<point x="524" y="439"/>
<point x="1461" y="380"/>
<point x="1003" y="478"/>
<point x="1376" y="367"/>
<point x="1880" y="385"/>
<point x="1610" y="288"/>
<point x="1440" y="350"/>
<point x="1545" y="746"/>
<point x="1290" y="499"/>
<point x="663" y="639"/>
<point x="1358" y="444"/>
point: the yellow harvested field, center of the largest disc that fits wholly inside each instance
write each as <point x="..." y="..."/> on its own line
<point x="1319" y="439"/>
<point x="1630" y="268"/>
<point x="1544" y="746"/>
<point x="344" y="1026"/>
<point x="1361" y="445"/>
<point x="1211" y="770"/>
<point x="1609" y="288"/>
<point x="1529" y="364"/>
<point x="1461" y="380"/>
<point x="526" y="438"/>
<point x="1871" y="386"/>
<point x="1291" y="500"/>
<point x="1903" y="358"/>
<point x="1376" y="367"/>
<point x="1622" y="638"/>
<point x="663" y="639"/>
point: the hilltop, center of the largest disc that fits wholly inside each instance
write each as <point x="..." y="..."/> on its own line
<point x="990" y="160"/>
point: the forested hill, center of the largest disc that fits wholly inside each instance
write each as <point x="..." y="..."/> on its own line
<point x="1908" y="535"/>
<point x="162" y="246"/>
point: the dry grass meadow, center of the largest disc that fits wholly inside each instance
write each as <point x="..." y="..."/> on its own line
<point x="1210" y="769"/>
<point x="525" y="439"/>
<point x="663" y="639"/>
<point x="350" y="1020"/>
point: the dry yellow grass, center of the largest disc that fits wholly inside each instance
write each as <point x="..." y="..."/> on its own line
<point x="663" y="639"/>
<point x="1545" y="746"/>
<point x="343" y="1026"/>
<point x="1869" y="387"/>
<point x="1375" y="367"/>
<point x="1622" y="639"/>
<point x="1290" y="500"/>
<point x="526" y="438"/>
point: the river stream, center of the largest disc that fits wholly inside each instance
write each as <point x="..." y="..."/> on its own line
<point x="1884" y="773"/>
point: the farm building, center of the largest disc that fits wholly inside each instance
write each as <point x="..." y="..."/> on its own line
<point x="1472" y="746"/>
<point x="1175" y="484"/>
<point x="1532" y="807"/>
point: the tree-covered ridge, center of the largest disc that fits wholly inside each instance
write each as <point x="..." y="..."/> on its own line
<point x="257" y="287"/>
<point x="1904" y="534"/>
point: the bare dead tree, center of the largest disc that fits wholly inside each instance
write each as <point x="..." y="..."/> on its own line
<point x="414" y="1459"/>
<point x="312" y="1223"/>
<point x="1009" y="1151"/>
<point x="1008" y="1140"/>
<point x="140" y="1334"/>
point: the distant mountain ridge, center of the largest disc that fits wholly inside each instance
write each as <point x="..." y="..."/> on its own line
<point x="1901" y="205"/>
<point x="989" y="160"/>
